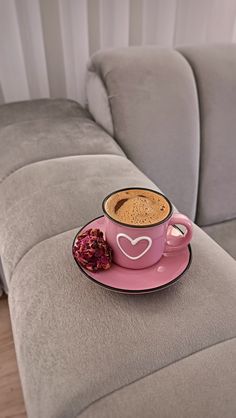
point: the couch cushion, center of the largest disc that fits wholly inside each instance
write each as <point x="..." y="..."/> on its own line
<point x="50" y="197"/>
<point x="154" y="108"/>
<point x="201" y="385"/>
<point x="214" y="68"/>
<point x="77" y="342"/>
<point x="31" y="110"/>
<point x="43" y="129"/>
<point x="225" y="234"/>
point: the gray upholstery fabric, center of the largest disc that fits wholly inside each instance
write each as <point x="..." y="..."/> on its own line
<point x="154" y="107"/>
<point x="77" y="342"/>
<point x="98" y="102"/>
<point x="196" y="386"/>
<point x="224" y="234"/>
<point x="53" y="196"/>
<point x="44" y="129"/>
<point x="3" y="283"/>
<point x="31" y="110"/>
<point x="215" y="68"/>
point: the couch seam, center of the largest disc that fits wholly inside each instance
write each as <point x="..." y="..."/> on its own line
<point x="56" y="158"/>
<point x="35" y="245"/>
<point x="150" y="374"/>
<point x="102" y="78"/>
<point x="46" y="118"/>
<point x="112" y="134"/>
<point x="200" y="114"/>
<point x="179" y="52"/>
<point x="225" y="221"/>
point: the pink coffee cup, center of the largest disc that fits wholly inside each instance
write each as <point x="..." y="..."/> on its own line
<point x="138" y="247"/>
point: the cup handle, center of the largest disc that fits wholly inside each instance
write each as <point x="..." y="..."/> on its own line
<point x="177" y="242"/>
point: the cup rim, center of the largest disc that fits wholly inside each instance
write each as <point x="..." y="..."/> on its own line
<point x="136" y="226"/>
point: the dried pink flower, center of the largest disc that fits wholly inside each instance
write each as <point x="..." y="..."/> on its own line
<point x="92" y="251"/>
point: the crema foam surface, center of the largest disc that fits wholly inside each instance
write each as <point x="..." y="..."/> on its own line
<point x="137" y="207"/>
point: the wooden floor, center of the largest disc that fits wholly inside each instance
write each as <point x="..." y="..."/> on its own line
<point x="11" y="399"/>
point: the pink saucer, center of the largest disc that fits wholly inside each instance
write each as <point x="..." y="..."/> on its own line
<point x="167" y="271"/>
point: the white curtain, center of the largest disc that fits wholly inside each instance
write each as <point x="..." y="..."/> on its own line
<point x="45" y="44"/>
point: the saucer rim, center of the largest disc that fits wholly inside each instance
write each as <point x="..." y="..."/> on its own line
<point x="130" y="291"/>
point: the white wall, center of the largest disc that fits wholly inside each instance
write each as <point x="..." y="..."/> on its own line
<point x="45" y="44"/>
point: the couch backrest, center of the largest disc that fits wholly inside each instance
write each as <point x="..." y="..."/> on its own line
<point x="174" y="114"/>
<point x="214" y="68"/>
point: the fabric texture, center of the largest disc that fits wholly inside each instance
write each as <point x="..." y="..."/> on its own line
<point x="224" y="234"/>
<point x="214" y="69"/>
<point x="77" y="342"/>
<point x="43" y="129"/>
<point x="154" y="107"/>
<point x="57" y="198"/>
<point x="196" y="386"/>
<point x="30" y="110"/>
<point x="98" y="103"/>
<point x="48" y="129"/>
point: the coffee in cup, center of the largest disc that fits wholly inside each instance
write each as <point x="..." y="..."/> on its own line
<point x="137" y="227"/>
<point x="138" y="207"/>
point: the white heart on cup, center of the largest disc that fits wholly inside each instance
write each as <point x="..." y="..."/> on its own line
<point x="133" y="242"/>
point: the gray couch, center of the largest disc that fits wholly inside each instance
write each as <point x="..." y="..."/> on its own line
<point x="84" y="351"/>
